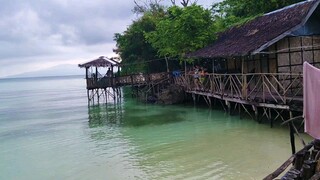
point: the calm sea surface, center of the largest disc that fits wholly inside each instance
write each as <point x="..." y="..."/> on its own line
<point x="47" y="131"/>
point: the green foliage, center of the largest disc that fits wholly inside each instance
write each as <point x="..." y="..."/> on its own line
<point x="249" y="8"/>
<point x="232" y="12"/>
<point x="175" y="31"/>
<point x="133" y="47"/>
<point x="182" y="30"/>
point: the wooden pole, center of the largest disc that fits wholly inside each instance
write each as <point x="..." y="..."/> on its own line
<point x="105" y="94"/>
<point x="111" y="77"/>
<point x="285" y="165"/>
<point x="167" y="64"/>
<point x="256" y="115"/>
<point x="270" y="118"/>
<point x="88" y="96"/>
<point x="244" y="80"/>
<point x="96" y="76"/>
<point x="229" y="107"/>
<point x="292" y="141"/>
<point x="98" y="94"/>
<point x="92" y="93"/>
<point x="240" y="115"/>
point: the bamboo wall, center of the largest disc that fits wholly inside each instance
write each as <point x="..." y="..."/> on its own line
<point x="285" y="56"/>
<point x="293" y="51"/>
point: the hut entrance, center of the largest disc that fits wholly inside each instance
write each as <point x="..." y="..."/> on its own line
<point x="100" y="77"/>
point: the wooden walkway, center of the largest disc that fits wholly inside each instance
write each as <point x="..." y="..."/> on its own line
<point x="108" y="88"/>
<point x="279" y="91"/>
<point x="127" y="80"/>
<point x="268" y="95"/>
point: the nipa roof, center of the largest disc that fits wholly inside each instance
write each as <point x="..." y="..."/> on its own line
<point x="260" y="33"/>
<point x="100" y="62"/>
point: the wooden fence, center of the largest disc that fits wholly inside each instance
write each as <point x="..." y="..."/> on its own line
<point x="280" y="88"/>
<point x="133" y="79"/>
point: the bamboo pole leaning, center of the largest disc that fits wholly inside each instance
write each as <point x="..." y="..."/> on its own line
<point x="306" y="164"/>
<point x="287" y="163"/>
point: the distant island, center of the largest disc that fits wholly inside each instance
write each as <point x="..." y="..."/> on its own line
<point x="60" y="70"/>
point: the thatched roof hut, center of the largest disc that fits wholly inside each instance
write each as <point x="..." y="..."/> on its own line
<point x="100" y="62"/>
<point x="262" y="32"/>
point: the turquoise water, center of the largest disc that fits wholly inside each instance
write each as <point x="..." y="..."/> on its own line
<point x="47" y="131"/>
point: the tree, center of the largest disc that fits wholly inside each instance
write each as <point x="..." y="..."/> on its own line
<point x="184" y="3"/>
<point x="249" y="8"/>
<point x="133" y="47"/>
<point x="232" y="12"/>
<point x="147" y="6"/>
<point x="182" y="30"/>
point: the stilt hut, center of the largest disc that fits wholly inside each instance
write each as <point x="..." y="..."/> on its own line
<point x="260" y="62"/>
<point x="101" y="82"/>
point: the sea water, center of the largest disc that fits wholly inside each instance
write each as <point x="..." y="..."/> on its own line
<point x="48" y="131"/>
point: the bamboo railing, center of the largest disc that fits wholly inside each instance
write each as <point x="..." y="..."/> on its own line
<point x="133" y="79"/>
<point x="136" y="79"/>
<point x="280" y="88"/>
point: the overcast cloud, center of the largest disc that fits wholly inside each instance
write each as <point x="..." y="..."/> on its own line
<point x="37" y="34"/>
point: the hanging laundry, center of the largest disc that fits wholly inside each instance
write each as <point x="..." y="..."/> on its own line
<point x="311" y="100"/>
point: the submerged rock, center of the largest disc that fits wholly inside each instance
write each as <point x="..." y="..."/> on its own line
<point x="173" y="94"/>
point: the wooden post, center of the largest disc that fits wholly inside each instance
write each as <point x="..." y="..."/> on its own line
<point x="229" y="107"/>
<point x="263" y="89"/>
<point x="293" y="146"/>
<point x="306" y="171"/>
<point x="96" y="76"/>
<point x="98" y="95"/>
<point x="270" y="118"/>
<point x="318" y="167"/>
<point x="240" y="110"/>
<point x="244" y="81"/>
<point x="256" y="115"/>
<point x="298" y="160"/>
<point x="105" y="94"/>
<point x="317" y="144"/>
<point x="112" y="76"/>
<point x="244" y="87"/>
<point x="284" y="166"/>
<point x="114" y="94"/>
<point x="194" y="98"/>
<point x="88" y="96"/>
<point x="167" y="64"/>
<point x="92" y="93"/>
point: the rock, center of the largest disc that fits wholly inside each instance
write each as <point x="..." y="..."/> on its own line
<point x="171" y="95"/>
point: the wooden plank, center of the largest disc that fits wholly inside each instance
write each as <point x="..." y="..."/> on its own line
<point x="238" y="100"/>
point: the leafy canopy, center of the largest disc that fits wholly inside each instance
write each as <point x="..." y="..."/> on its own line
<point x="232" y="12"/>
<point x="175" y="31"/>
<point x="182" y="30"/>
<point x="132" y="45"/>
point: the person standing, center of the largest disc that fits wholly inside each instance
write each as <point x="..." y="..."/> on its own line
<point x="109" y="73"/>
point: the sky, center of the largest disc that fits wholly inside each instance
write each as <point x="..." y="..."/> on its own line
<point x="38" y="34"/>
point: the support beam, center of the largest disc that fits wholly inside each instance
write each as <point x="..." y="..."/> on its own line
<point x="292" y="141"/>
<point x="270" y="117"/>
<point x="229" y="107"/>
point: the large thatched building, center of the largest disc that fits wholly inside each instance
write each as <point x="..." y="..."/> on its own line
<point x="260" y="62"/>
<point x="276" y="42"/>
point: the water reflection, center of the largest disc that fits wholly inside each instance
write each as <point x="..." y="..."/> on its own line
<point x="177" y="142"/>
<point x="132" y="114"/>
<point x="107" y="114"/>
